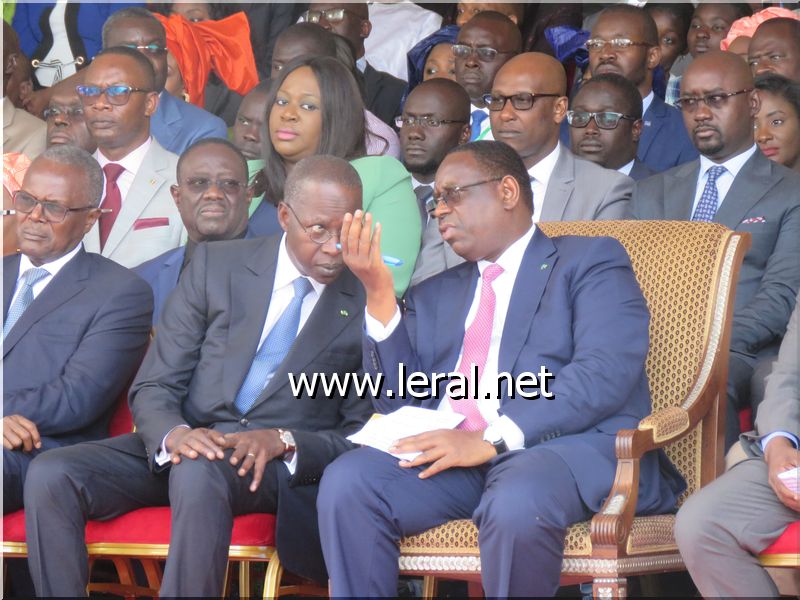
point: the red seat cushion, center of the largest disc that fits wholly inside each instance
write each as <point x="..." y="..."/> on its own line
<point x="14" y="527"/>
<point x="787" y="543"/>
<point x="152" y="526"/>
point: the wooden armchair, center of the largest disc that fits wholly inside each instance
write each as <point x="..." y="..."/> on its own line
<point x="688" y="273"/>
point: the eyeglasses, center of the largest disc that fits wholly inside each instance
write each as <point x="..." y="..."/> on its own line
<point x="332" y="15"/>
<point x="485" y="54"/>
<point x="425" y="121"/>
<point x="200" y="185"/>
<point x="595" y="44"/>
<point x="73" y="113"/>
<point x="604" y="120"/>
<point x="316" y="233"/>
<point x="53" y="212"/>
<point x="521" y="101"/>
<point x="452" y="196"/>
<point x="154" y="49"/>
<point x="117" y="95"/>
<point x="713" y="101"/>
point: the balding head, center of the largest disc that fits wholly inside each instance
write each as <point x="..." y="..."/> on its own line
<point x="775" y="48"/>
<point x="725" y="130"/>
<point x="532" y="132"/>
<point x="64" y="114"/>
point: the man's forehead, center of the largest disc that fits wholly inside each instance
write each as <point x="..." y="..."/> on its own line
<point x="621" y="24"/>
<point x="64" y="98"/>
<point x="136" y="29"/>
<point x="429" y="102"/>
<point x="482" y="32"/>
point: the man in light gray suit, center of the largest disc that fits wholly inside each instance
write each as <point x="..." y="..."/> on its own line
<point x="527" y="105"/>
<point x="732" y="183"/>
<point x="140" y="220"/>
<point x="721" y="527"/>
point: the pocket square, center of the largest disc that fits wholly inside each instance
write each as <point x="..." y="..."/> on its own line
<point x="151" y="222"/>
<point x="754" y="220"/>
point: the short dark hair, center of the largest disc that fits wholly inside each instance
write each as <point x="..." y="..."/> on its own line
<point x="740" y="9"/>
<point x="319" y="40"/>
<point x="460" y="108"/>
<point x="343" y="121"/>
<point x="649" y="25"/>
<point x="498" y="159"/>
<point x="780" y="86"/>
<point x="139" y="58"/>
<point x="132" y="12"/>
<point x="631" y="97"/>
<point x="72" y="156"/>
<point x="680" y="11"/>
<point x="211" y="142"/>
<point x="321" y="168"/>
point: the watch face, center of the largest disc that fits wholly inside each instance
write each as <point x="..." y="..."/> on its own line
<point x="288" y="439"/>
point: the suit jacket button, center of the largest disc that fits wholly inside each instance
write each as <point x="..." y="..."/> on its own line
<point x="244" y="422"/>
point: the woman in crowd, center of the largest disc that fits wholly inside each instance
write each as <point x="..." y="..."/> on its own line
<point x="777" y="129"/>
<point x="314" y="107"/>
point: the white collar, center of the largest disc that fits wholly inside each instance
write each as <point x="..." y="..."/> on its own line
<point x="511" y="258"/>
<point x="733" y="164"/>
<point x="131" y="161"/>
<point x="647" y="101"/>
<point x="286" y="272"/>
<point x="52" y="267"/>
<point x="542" y="170"/>
<point x="626" y="169"/>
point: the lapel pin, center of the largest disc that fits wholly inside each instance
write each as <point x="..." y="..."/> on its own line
<point x="344" y="313"/>
<point x="543" y="267"/>
<point x="152" y="182"/>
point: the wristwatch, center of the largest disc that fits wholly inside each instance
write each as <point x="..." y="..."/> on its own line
<point x="288" y="442"/>
<point x="495" y="438"/>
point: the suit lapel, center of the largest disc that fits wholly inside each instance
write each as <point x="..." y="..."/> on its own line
<point x="69" y="281"/>
<point x="168" y="274"/>
<point x="559" y="188"/>
<point x="679" y="191"/>
<point x="448" y="336"/>
<point x="654" y="120"/>
<point x="753" y="182"/>
<point x="10" y="275"/>
<point x="525" y="297"/>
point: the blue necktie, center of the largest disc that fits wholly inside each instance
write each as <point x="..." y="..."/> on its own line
<point x="274" y="349"/>
<point x="709" y="199"/>
<point x="24" y="298"/>
<point x="478" y="117"/>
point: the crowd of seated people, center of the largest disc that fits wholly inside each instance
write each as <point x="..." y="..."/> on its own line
<point x="201" y="200"/>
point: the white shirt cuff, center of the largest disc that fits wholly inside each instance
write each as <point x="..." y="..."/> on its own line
<point x="292" y="464"/>
<point x="162" y="457"/>
<point x="376" y="330"/>
<point x="511" y="434"/>
<point x="766" y="440"/>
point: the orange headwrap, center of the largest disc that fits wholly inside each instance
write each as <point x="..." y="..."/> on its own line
<point x="746" y="26"/>
<point x="223" y="46"/>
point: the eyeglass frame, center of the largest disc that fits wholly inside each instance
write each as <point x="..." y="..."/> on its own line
<point x="86" y="98"/>
<point x="305" y="229"/>
<point x="217" y="182"/>
<point x="487" y="97"/>
<point x="593" y="44"/>
<point x="437" y="198"/>
<point x="322" y="13"/>
<point x="153" y="48"/>
<point x="593" y="115"/>
<point x="474" y="50"/>
<point x="68" y="113"/>
<point x="400" y="121"/>
<point x="44" y="204"/>
<point x="697" y="100"/>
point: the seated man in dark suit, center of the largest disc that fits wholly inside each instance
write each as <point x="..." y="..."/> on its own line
<point x="605" y="124"/>
<point x="75" y="324"/>
<point x="664" y="142"/>
<point x="351" y="21"/>
<point x="522" y="469"/>
<point x="176" y="124"/>
<point x="219" y="429"/>
<point x="735" y="185"/>
<point x="212" y="197"/>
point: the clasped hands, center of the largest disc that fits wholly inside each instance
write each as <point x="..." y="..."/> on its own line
<point x="252" y="450"/>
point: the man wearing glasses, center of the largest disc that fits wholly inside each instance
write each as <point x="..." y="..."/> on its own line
<point x="219" y="430"/>
<point x="527" y="105"/>
<point x="176" y="124"/>
<point x="734" y="184"/>
<point x="64" y="115"/>
<point x="140" y="220"/>
<point x="75" y="324"/>
<point x="624" y="40"/>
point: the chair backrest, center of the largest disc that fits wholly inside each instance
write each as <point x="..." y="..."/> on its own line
<point x="686" y="271"/>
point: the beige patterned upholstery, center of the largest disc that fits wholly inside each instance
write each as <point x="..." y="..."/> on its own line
<point x="686" y="272"/>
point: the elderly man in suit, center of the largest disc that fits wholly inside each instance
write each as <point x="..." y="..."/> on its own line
<point x="219" y="429"/>
<point x="141" y="221"/>
<point x="212" y="196"/>
<point x="176" y="124"/>
<point x="721" y="527"/>
<point x="522" y="469"/>
<point x="22" y="132"/>
<point x="734" y="184"/>
<point x="624" y="40"/>
<point x="75" y="324"/>
<point x="527" y="105"/>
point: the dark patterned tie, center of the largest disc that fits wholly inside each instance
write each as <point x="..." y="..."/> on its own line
<point x="709" y="199"/>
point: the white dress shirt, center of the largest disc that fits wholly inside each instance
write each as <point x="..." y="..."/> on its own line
<point x="282" y="295"/>
<point x="131" y="162"/>
<point x="646" y="102"/>
<point x="626" y="169"/>
<point x="540" y="177"/>
<point x="488" y="399"/>
<point x="724" y="181"/>
<point x="52" y="267"/>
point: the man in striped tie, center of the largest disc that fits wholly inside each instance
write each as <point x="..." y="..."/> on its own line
<point x="523" y="469"/>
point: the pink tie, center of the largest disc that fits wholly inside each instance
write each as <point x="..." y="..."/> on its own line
<point x="476" y="348"/>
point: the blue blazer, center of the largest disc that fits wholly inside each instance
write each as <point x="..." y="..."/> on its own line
<point x="177" y="124"/>
<point x="162" y="273"/>
<point x="577" y="309"/>
<point x="664" y="143"/>
<point x="264" y="220"/>
<point x="76" y="347"/>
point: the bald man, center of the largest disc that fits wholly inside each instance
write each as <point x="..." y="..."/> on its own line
<point x="565" y="187"/>
<point x="735" y="185"/>
<point x="775" y="48"/>
<point x="64" y="115"/>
